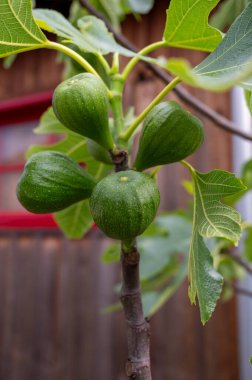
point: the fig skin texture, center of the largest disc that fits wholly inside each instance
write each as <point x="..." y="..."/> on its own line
<point x="81" y="103"/>
<point x="124" y="204"/>
<point x="51" y="181"/>
<point x="170" y="134"/>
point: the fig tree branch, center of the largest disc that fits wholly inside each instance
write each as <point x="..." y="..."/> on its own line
<point x="138" y="329"/>
<point x="218" y="119"/>
<point x="239" y="260"/>
<point x="242" y="291"/>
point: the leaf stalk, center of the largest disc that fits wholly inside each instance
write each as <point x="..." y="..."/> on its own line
<point x="129" y="132"/>
<point x="148" y="49"/>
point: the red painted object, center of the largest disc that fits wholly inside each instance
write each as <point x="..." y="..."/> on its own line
<point x="11" y="168"/>
<point x="23" y="109"/>
<point x="15" y="111"/>
<point x="25" y="220"/>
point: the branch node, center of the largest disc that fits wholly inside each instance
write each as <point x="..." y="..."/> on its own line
<point x="120" y="159"/>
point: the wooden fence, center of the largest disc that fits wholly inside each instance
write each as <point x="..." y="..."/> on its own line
<point x="52" y="292"/>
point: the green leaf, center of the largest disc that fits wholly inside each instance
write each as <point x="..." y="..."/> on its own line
<point x="158" y="250"/>
<point x="230" y="269"/>
<point x="50" y="124"/>
<point x="112" y="9"/>
<point x="95" y="33"/>
<point x="227" y="13"/>
<point x="205" y="282"/>
<point x="247" y="174"/>
<point x="76" y="11"/>
<point x="169" y="234"/>
<point x="111" y="254"/>
<point x="248" y="99"/>
<point x="211" y="219"/>
<point x="187" y="25"/>
<point x="54" y="22"/>
<point x="153" y="301"/>
<point x="138" y="6"/>
<point x="247" y="180"/>
<point x="215" y="219"/>
<point x="73" y="146"/>
<point x="75" y="220"/>
<point x="228" y="65"/>
<point x="164" y="249"/>
<point x="18" y="29"/>
<point x="92" y="37"/>
<point x="73" y="68"/>
<point x="247" y="251"/>
<point x="9" y="60"/>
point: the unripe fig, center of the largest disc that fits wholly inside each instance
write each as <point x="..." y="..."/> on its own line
<point x="99" y="153"/>
<point x="81" y="104"/>
<point x="51" y="181"/>
<point x="170" y="134"/>
<point x="124" y="204"/>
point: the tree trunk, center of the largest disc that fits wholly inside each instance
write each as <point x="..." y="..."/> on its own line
<point x="138" y="328"/>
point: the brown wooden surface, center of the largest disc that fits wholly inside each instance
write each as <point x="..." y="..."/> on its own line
<point x="52" y="290"/>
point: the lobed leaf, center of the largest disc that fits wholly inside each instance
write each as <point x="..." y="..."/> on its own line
<point x="50" y="124"/>
<point x="18" y="30"/>
<point x="163" y="272"/>
<point x="230" y="64"/>
<point x="153" y="303"/>
<point x="212" y="218"/>
<point x="165" y="246"/>
<point x="73" y="146"/>
<point x="92" y="37"/>
<point x="187" y="25"/>
<point x="204" y="281"/>
<point x="75" y="220"/>
<point x="138" y="6"/>
<point x="111" y="254"/>
<point x="227" y="13"/>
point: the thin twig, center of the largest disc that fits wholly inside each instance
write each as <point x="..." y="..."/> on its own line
<point x="242" y="291"/>
<point x="238" y="289"/>
<point x="241" y="262"/>
<point x="219" y="120"/>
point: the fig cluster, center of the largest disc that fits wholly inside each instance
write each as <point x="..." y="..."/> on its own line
<point x="122" y="204"/>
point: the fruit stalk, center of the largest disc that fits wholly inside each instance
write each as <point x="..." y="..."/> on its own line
<point x="138" y="328"/>
<point x="117" y="85"/>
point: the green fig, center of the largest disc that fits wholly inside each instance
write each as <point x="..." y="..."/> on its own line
<point x="81" y="104"/>
<point x="124" y="204"/>
<point x="99" y="153"/>
<point x="170" y="134"/>
<point x="51" y="181"/>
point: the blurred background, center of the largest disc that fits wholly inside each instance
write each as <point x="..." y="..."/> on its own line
<point x="53" y="290"/>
